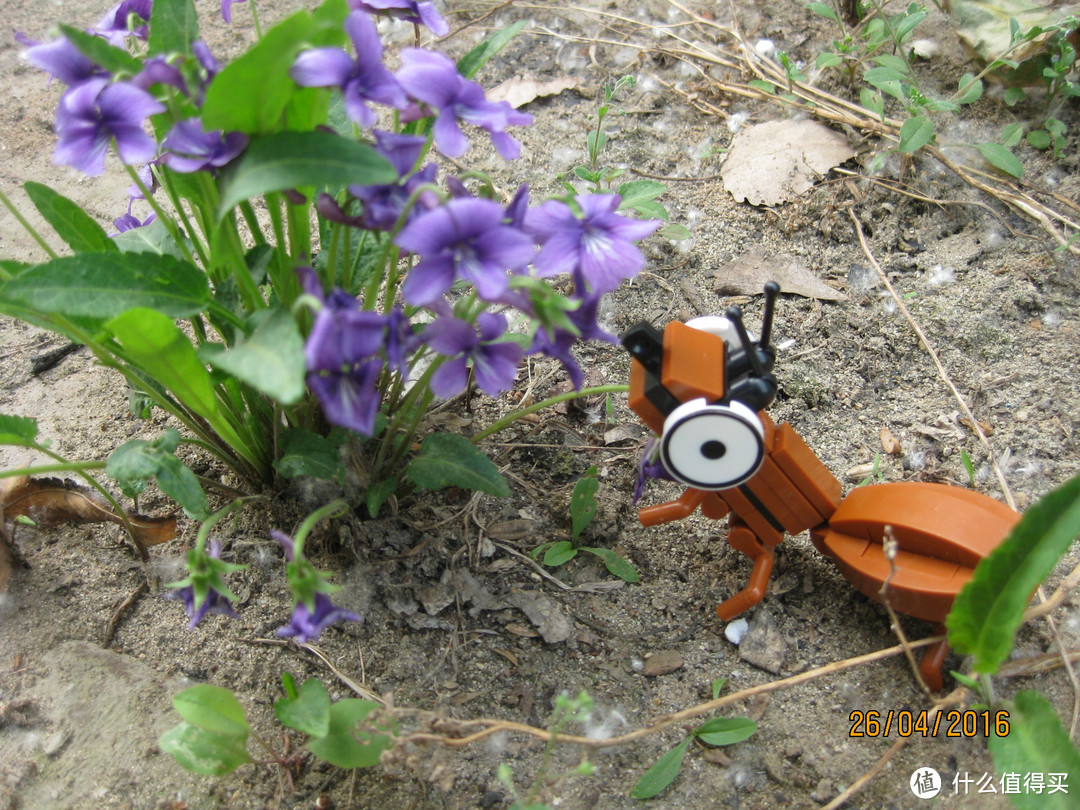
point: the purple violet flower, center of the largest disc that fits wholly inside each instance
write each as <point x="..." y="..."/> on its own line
<point x="93" y="113"/>
<point x="597" y="248"/>
<point x="463" y="239"/>
<point x="342" y="362"/>
<point x="115" y="26"/>
<point x="226" y="9"/>
<point x="650" y="466"/>
<point x="61" y="60"/>
<point x="190" y="148"/>
<point x="418" y="13"/>
<point x="305" y="626"/>
<point x="433" y="79"/>
<point x="129" y="222"/>
<point x="494" y="362"/>
<point x="361" y="80"/>
<point x="558" y="342"/>
<point x="215" y="601"/>
<point x="158" y="70"/>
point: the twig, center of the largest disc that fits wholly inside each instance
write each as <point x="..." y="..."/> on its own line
<point x="925" y="341"/>
<point x="121" y="609"/>
<point x="859" y="783"/>
<point x="890" y="546"/>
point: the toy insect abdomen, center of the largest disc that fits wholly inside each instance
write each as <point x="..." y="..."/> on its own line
<point x="942" y="533"/>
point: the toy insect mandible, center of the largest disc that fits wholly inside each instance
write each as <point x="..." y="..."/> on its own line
<point x="703" y="388"/>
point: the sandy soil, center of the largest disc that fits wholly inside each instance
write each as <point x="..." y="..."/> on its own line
<point x="442" y="584"/>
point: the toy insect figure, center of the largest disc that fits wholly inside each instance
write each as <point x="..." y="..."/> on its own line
<point x="703" y="388"/>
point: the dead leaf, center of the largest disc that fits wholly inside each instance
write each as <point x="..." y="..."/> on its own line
<point x="519" y="90"/>
<point x="7" y="557"/>
<point x="985" y="31"/>
<point x="545" y="613"/>
<point x="51" y="502"/>
<point x="889" y="443"/>
<point x="748" y="274"/>
<point x="777" y="161"/>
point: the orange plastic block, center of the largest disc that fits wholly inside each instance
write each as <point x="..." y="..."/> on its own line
<point x="639" y="403"/>
<point x="806" y="471"/>
<point x="942" y="532"/>
<point x="693" y="364"/>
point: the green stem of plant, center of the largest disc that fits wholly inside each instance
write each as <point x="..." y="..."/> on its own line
<point x="214" y="519"/>
<point x="333" y="509"/>
<point x="41" y="469"/>
<point x="510" y="418"/>
<point x="37" y="237"/>
<point x="164" y="218"/>
<point x="255" y="20"/>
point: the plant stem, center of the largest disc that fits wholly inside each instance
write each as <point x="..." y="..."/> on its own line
<point x="37" y="237"/>
<point x="510" y="418"/>
<point x="333" y="509"/>
<point x="70" y="466"/>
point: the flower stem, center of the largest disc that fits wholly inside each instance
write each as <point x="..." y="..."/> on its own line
<point x="37" y="237"/>
<point x="333" y="509"/>
<point x="214" y="519"/>
<point x="510" y="418"/>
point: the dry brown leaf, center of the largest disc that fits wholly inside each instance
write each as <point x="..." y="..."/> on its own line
<point x="777" y="161"/>
<point x="889" y="443"/>
<point x="7" y="558"/>
<point x="748" y="274"/>
<point x="519" y="90"/>
<point x="51" y="502"/>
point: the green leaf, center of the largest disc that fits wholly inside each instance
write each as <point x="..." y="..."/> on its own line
<point x="718" y="687"/>
<point x="469" y="65"/>
<point x="270" y="360"/>
<point x="828" y="60"/>
<point x="202" y="751"/>
<point x="872" y="101"/>
<point x="135" y="462"/>
<point x="823" y="10"/>
<point x="999" y="156"/>
<point x="293" y="159"/>
<point x="100" y="52"/>
<point x="674" y="231"/>
<point x="636" y="192"/>
<point x="973" y="91"/>
<point x="174" y="26"/>
<point x="152" y="238"/>
<point x="915" y="134"/>
<point x="762" y="85"/>
<point x="898" y="64"/>
<point x="18" y="430"/>
<point x="662" y="773"/>
<point x="77" y="228"/>
<point x="250" y="94"/>
<point x="156" y="345"/>
<point x="1039" y="138"/>
<point x="1011" y="135"/>
<point x="213" y="708"/>
<point x="378" y="493"/>
<point x="725" y="730"/>
<point x="583" y="502"/>
<point x="619" y="566"/>
<point x="559" y="553"/>
<point x="447" y="459"/>
<point x="887" y="80"/>
<point x="988" y="611"/>
<point x="348" y="744"/>
<point x="308" y="454"/>
<point x="1036" y="743"/>
<point x="1014" y="96"/>
<point x="309" y="711"/>
<point x="103" y="285"/>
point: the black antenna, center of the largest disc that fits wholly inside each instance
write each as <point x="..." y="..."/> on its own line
<point x="772" y="290"/>
<point x="734" y="314"/>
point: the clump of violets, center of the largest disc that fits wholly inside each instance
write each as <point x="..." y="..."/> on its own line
<point x="411" y="282"/>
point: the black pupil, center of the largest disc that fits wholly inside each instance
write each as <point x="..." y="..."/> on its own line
<point x="713" y="449"/>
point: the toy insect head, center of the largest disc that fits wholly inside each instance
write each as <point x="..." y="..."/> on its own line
<point x="698" y="385"/>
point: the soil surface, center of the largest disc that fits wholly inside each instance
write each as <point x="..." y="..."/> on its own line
<point x="456" y="619"/>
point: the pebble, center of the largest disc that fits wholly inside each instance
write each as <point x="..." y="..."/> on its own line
<point x="662" y="663"/>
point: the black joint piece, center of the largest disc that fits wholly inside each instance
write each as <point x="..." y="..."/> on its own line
<point x="772" y="290"/>
<point x="734" y="314"/>
<point x="646" y="345"/>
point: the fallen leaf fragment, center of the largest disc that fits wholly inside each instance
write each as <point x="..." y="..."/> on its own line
<point x="547" y="615"/>
<point x="748" y="274"/>
<point x="51" y="502"/>
<point x="889" y="443"/>
<point x="520" y="90"/>
<point x="778" y="161"/>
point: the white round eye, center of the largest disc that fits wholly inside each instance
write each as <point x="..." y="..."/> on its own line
<point x="712" y="447"/>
